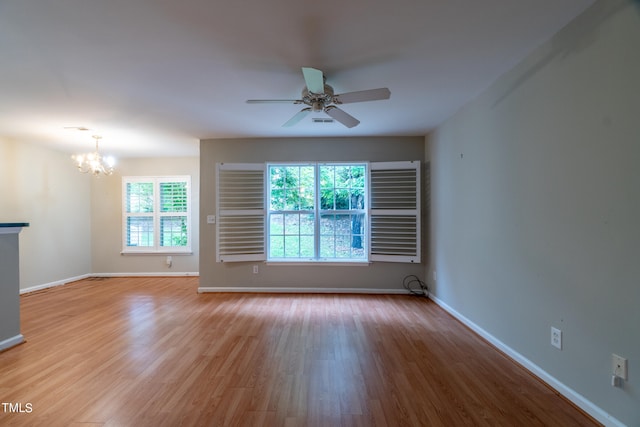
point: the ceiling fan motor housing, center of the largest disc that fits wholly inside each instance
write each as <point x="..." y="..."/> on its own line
<point x="318" y="101"/>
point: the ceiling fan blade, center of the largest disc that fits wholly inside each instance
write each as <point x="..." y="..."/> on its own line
<point x="314" y="80"/>
<point x="362" y="96"/>
<point x="346" y="119"/>
<point x="295" y="119"/>
<point x="273" y="101"/>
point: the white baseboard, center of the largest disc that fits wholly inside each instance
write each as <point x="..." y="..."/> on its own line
<point x="575" y="397"/>
<point x="206" y="289"/>
<point x="11" y="342"/>
<point x="53" y="284"/>
<point x="154" y="274"/>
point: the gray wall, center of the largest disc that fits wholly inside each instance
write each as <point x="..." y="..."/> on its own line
<point x="374" y="276"/>
<point x="106" y="218"/>
<point x="536" y="203"/>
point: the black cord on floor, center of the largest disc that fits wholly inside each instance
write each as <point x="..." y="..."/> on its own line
<point x="415" y="286"/>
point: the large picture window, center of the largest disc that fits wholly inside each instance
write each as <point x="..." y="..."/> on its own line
<point x="156" y="214"/>
<point x="318" y="212"/>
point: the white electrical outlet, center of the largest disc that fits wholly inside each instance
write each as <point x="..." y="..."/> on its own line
<point x="556" y="338"/>
<point x="619" y="366"/>
<point x="255" y="269"/>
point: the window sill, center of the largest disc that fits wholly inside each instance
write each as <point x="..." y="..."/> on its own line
<point x="307" y="263"/>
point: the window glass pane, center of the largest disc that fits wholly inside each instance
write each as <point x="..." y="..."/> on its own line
<point x="358" y="253"/>
<point x="173" y="231"/>
<point x="327" y="247"/>
<point x="342" y="198"/>
<point x="357" y="231"/>
<point x="292" y="224"/>
<point x="357" y="185"/>
<point x="173" y="197"/>
<point x="277" y="176"/>
<point x="307" y="246"/>
<point x="326" y="225"/>
<point x="357" y="173"/>
<point x="277" y="200"/>
<point x="327" y="199"/>
<point x="343" y="247"/>
<point x="277" y="224"/>
<point x="327" y="236"/>
<point x="292" y="199"/>
<point x="342" y="224"/>
<point x="357" y="199"/>
<point x="291" y="246"/>
<point x="292" y="185"/>
<point x="307" y="201"/>
<point x="292" y="174"/>
<point x="277" y="185"/>
<point x="307" y="224"/>
<point x="342" y="174"/>
<point x="327" y="176"/>
<point x="276" y="246"/>
<point x="307" y="187"/>
<point x="139" y="197"/>
<point x="140" y="231"/>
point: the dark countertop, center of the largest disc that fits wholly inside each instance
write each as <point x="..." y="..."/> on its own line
<point x="14" y="224"/>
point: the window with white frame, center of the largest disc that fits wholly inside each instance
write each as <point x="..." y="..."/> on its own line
<point x="156" y="214"/>
<point x="336" y="212"/>
<point x="316" y="212"/>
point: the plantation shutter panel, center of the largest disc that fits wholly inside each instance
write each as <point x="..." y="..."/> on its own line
<point x="395" y="211"/>
<point x="240" y="197"/>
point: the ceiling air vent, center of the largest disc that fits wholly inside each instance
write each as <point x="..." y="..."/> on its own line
<point x="322" y="120"/>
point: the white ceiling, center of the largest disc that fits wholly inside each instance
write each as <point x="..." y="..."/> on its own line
<point x="155" y="76"/>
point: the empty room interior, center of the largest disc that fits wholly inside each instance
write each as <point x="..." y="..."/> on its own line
<point x="300" y="213"/>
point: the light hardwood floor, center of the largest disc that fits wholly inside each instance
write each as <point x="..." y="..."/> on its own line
<point x="153" y="352"/>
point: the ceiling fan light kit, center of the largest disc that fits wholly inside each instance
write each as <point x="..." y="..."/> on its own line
<point x="320" y="97"/>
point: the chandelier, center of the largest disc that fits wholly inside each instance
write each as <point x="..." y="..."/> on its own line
<point x="94" y="162"/>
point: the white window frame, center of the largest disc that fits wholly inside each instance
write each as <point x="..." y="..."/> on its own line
<point x="317" y="213"/>
<point x="393" y="217"/>
<point x="157" y="215"/>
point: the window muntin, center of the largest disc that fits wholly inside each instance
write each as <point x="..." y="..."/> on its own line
<point x="317" y="212"/>
<point x="156" y="214"/>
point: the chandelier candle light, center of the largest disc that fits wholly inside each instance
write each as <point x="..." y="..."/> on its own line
<point x="94" y="162"/>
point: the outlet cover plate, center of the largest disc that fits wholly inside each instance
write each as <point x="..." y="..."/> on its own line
<point x="556" y="338"/>
<point x="619" y="366"/>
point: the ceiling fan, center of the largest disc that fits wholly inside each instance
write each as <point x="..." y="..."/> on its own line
<point x="319" y="97"/>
